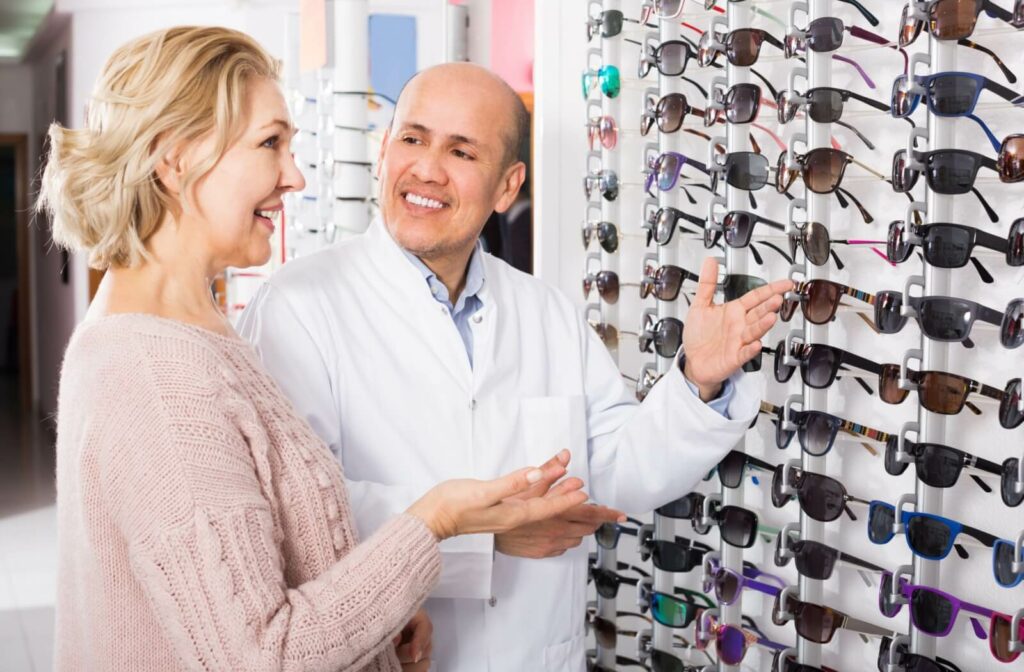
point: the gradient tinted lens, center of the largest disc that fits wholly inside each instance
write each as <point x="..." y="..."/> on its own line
<point x="817" y="432"/>
<point x="607" y="535"/>
<point x="932" y="612"/>
<point x="910" y="27"/>
<point x="816" y="623"/>
<point x="668" y="337"/>
<point x="727" y="586"/>
<point x="1015" y="244"/>
<point x="746" y="170"/>
<point x="825" y="106"/>
<point x="902" y="100"/>
<point x="742" y="103"/>
<point x="945" y="319"/>
<point x="665" y="662"/>
<point x="670" y="112"/>
<point x="939" y="466"/>
<point x="664" y="224"/>
<point x="821" y="366"/>
<point x="608" y="286"/>
<point x="896" y="246"/>
<point x="948" y="245"/>
<point x="1010" y="415"/>
<point x="1011" y="333"/>
<point x="951" y="172"/>
<point x="929" y="537"/>
<point x="683" y="508"/>
<point x="822" y="301"/>
<point x="823" y="169"/>
<point x="814" y="560"/>
<point x="608" y="236"/>
<point x="604" y="632"/>
<point x="999" y="639"/>
<point x="953" y="19"/>
<point x="1011" y="159"/>
<point x="1008" y="483"/>
<point x="783" y="437"/>
<point x="943" y="393"/>
<point x="881" y="518"/>
<point x="953" y="95"/>
<point x="672" y="612"/>
<point x="816" y="243"/>
<point x="1003" y="553"/>
<point x="668" y="167"/>
<point x="886" y="604"/>
<point x="730" y="469"/>
<point x="667" y="282"/>
<point x="738" y="227"/>
<point x="672" y="57"/>
<point x="821" y="497"/>
<point x="738" y="526"/>
<point x="887" y="312"/>
<point x="783" y="371"/>
<point x="825" y="34"/>
<point x="731" y="645"/>
<point x="743" y="46"/>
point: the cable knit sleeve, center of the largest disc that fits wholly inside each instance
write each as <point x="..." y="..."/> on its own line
<point x="183" y="484"/>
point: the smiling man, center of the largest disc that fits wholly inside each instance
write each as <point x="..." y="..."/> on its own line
<point x="418" y="357"/>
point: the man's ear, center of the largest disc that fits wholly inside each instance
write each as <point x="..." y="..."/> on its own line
<point x="513" y="180"/>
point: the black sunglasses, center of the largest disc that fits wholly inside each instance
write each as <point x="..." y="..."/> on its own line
<point x="661" y="224"/>
<point x="937" y="465"/>
<point x="680" y="555"/>
<point x="947" y="171"/>
<point x="738" y="526"/>
<point x="814" y="559"/>
<point x="734" y="465"/>
<point x="743" y="170"/>
<point x="737" y="229"/>
<point x="608" y="534"/>
<point x="607" y="581"/>
<point x="946" y="318"/>
<point x="824" y="104"/>
<point x="666" y="335"/>
<point x="817" y="431"/>
<point x="951" y="245"/>
<point x="910" y="662"/>
<point x="821" y="497"/>
<point x="819" y="364"/>
<point x="670" y="58"/>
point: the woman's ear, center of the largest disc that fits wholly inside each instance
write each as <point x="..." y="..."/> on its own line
<point x="170" y="169"/>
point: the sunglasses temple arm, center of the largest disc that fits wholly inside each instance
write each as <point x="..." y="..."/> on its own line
<point x="1003" y="92"/>
<point x="855" y="64"/>
<point x="871" y="18"/>
<point x="868" y="168"/>
<point x="993" y="140"/>
<point x="863" y="138"/>
<point x="964" y="42"/>
<point x="986" y="277"/>
<point x="770" y="17"/>
<point x="777" y="249"/>
<point x="697" y="86"/>
<point x="771" y="89"/>
<point x="992" y="216"/>
<point x="865" y="215"/>
<point x="865" y="628"/>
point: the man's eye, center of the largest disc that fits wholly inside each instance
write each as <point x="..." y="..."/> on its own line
<point x="410" y="140"/>
<point x="461" y="154"/>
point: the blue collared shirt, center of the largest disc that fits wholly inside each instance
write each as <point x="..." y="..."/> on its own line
<point x="469" y="303"/>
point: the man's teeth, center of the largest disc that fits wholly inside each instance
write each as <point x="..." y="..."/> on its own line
<point x="424" y="202"/>
<point x="272" y="215"/>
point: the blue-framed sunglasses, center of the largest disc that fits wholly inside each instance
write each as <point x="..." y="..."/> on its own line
<point x="948" y="94"/>
<point x="1006" y="554"/>
<point x="929" y="536"/>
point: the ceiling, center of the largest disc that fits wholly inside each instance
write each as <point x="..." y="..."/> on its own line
<point x="19" y="21"/>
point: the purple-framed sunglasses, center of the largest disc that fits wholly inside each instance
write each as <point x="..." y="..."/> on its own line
<point x="728" y="583"/>
<point x="932" y="611"/>
<point x="666" y="168"/>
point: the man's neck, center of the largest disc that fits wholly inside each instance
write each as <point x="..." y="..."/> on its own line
<point x="451" y="271"/>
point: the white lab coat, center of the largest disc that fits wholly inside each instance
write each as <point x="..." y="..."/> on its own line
<point x="376" y="365"/>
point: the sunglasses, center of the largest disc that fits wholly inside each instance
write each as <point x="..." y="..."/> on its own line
<point x="1004" y="557"/>
<point x="948" y="94"/>
<point x="606" y="631"/>
<point x="606" y="282"/>
<point x="606" y="233"/>
<point x="951" y="245"/>
<point x="734" y="465"/>
<point x="816" y="622"/>
<point x="665" y="169"/>
<point x="666" y="335"/>
<point x="826" y="34"/>
<point x="742" y="47"/>
<point x="932" y="611"/>
<point x="602" y="132"/>
<point x="608" y="534"/>
<point x="814" y="239"/>
<point x="819" y="363"/>
<point x="737" y="228"/>
<point x="1010" y="414"/>
<point x="928" y="536"/>
<point x="821" y="497"/>
<point x="743" y="170"/>
<point x="607" y="76"/>
<point x="1010" y="161"/>
<point x="608" y="333"/>
<point x="669" y="58"/>
<point x="817" y="432"/>
<point x="665" y="281"/>
<point x="661" y="224"/>
<point x="1011" y="486"/>
<point x="947" y="319"/>
<point x="607" y="581"/>
<point x="820" y="299"/>
<point x="814" y="559"/>
<point x="728" y="584"/>
<point x="947" y="171"/>
<point x="668" y="112"/>
<point x="608" y="24"/>
<point x="786" y="663"/>
<point x="680" y="555"/>
<point x="731" y="642"/>
<point x="902" y="659"/>
<point x="673" y="611"/>
<point x="737" y="526"/>
<point x="740" y="104"/>
<point x="821" y="168"/>
<point x="824" y="104"/>
<point x="937" y="465"/>
<point x="604" y="181"/>
<point x="939" y="392"/>
<point x="948" y="19"/>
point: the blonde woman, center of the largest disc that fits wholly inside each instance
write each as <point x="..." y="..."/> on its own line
<point x="202" y="524"/>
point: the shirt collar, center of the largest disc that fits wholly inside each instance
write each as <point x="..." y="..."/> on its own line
<point x="474" y="278"/>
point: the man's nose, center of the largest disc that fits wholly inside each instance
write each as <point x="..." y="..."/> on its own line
<point x="429" y="167"/>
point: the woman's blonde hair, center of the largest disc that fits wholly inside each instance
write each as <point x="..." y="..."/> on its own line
<point x="100" y="188"/>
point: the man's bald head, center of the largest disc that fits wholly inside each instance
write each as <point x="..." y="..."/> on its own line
<point x="513" y="123"/>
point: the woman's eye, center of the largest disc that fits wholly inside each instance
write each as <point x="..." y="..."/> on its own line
<point x="271" y="142"/>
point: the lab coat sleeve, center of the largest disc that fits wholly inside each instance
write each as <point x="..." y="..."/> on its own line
<point x="644" y="455"/>
<point x="302" y="369"/>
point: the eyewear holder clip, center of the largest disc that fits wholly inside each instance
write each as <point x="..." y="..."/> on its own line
<point x="901" y="454"/>
<point x="911" y="148"/>
<point x="787" y="489"/>
<point x="916" y="211"/>
<point x="712" y="221"/>
<point x="1017" y="565"/>
<point x="899" y="642"/>
<point x="719" y="25"/>
<point x="712" y="161"/>
<point x="704" y="620"/>
<point x="591" y="256"/>
<point x="914" y="354"/>
<point x="906" y="310"/>
<point x="787" y="653"/>
<point x="595" y="61"/>
<point x="713" y="556"/>
<point x="1018" y="487"/>
<point x="644" y="644"/>
<point x="787" y="424"/>
<point x="791" y="163"/>
<point x="644" y="587"/>
<point x="896" y="595"/>
<point x="590" y="309"/>
<point x="897" y="523"/>
<point x="783" y="599"/>
<point x="1016" y="643"/>
<point x="791" y="208"/>
<point x="782" y="547"/>
<point x="795" y="74"/>
<point x="705" y="513"/>
<point x="718" y="84"/>
<point x="795" y="271"/>
<point x="794" y="9"/>
<point x="920" y="58"/>
<point x="787" y="353"/>
<point x="643" y="537"/>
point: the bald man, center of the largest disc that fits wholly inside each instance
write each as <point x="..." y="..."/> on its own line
<point x="417" y="357"/>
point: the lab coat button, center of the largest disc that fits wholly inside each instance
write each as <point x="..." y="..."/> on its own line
<point x="478" y="318"/>
<point x="493" y="601"/>
<point x="472" y="404"/>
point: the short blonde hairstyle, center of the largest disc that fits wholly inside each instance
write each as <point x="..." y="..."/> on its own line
<point x="100" y="187"/>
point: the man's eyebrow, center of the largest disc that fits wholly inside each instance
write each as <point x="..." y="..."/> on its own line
<point x="456" y="138"/>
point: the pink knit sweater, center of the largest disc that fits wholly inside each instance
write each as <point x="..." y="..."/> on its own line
<point x="203" y="526"/>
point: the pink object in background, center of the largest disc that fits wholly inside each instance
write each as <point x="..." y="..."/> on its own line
<point x="512" y="42"/>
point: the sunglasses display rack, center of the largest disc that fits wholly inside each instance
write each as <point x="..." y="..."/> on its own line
<point x="852" y="79"/>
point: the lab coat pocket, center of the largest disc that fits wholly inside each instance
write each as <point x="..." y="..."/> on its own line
<point x="567" y="656"/>
<point x="550" y="424"/>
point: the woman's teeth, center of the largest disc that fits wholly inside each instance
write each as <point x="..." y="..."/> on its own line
<point x="424" y="202"/>
<point x="273" y="215"/>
